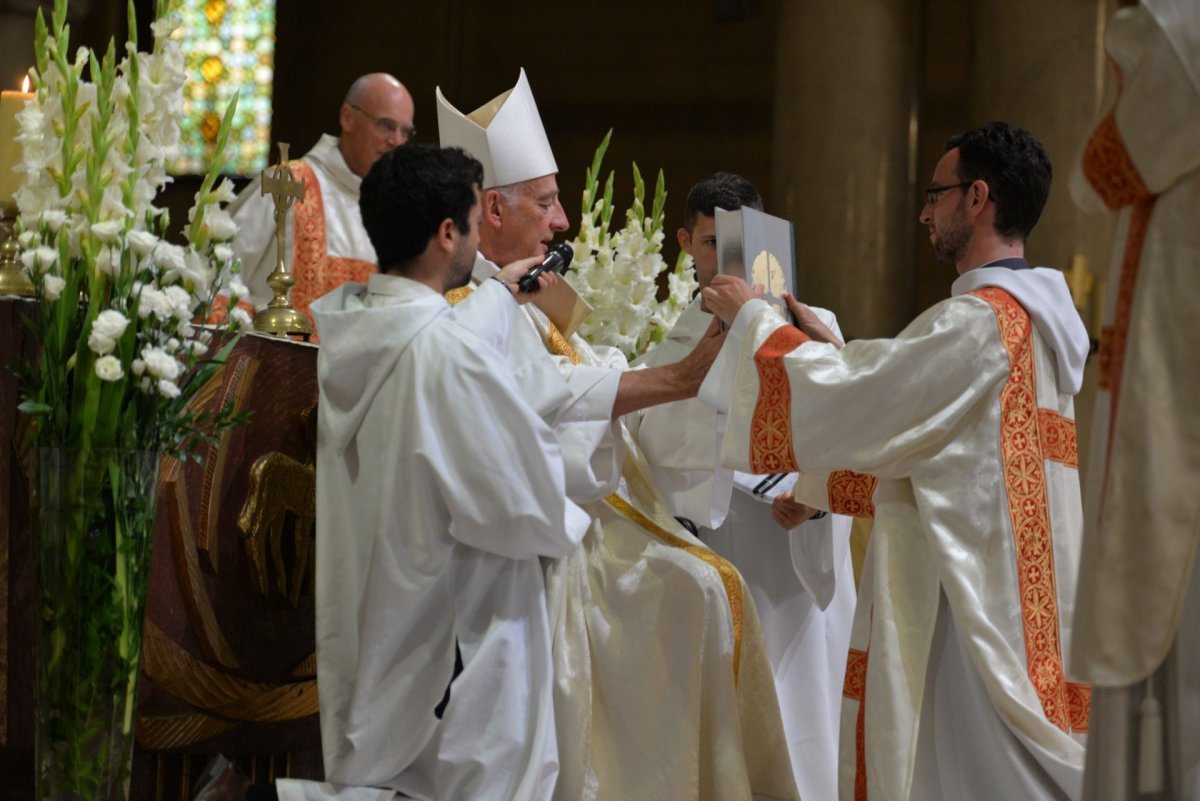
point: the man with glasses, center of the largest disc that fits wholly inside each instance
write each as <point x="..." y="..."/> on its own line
<point x="325" y="242"/>
<point x="961" y="434"/>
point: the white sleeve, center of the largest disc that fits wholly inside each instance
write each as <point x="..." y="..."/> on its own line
<point x="880" y="406"/>
<point x="501" y="466"/>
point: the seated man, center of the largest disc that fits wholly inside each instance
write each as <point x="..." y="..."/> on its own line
<point x="433" y="644"/>
<point x="799" y="572"/>
<point x="663" y="688"/>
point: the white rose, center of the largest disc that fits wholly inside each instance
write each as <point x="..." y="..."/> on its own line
<point x="169" y="257"/>
<point x="110" y="323"/>
<point x="100" y="344"/>
<point x="167" y="389"/>
<point x="147" y="301"/>
<point x="142" y="242"/>
<point x="240" y="318"/>
<point x="160" y="364"/>
<point x="164" y="307"/>
<point x="185" y="329"/>
<point x="52" y="286"/>
<point x="181" y="300"/>
<point x="108" y="368"/>
<point x="237" y="288"/>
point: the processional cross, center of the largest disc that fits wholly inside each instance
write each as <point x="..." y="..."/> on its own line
<point x="280" y="317"/>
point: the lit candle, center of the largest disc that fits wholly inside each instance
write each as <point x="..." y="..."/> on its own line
<point x="10" y="148"/>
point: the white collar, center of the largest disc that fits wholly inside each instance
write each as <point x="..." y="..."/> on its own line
<point x="328" y="156"/>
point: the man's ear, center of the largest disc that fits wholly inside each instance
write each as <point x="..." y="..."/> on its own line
<point x="344" y="115"/>
<point x="977" y="196"/>
<point x="492" y="208"/>
<point x="685" y="240"/>
<point x="447" y="236"/>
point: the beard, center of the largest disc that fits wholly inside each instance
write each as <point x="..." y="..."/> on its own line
<point x="460" y="269"/>
<point x="951" y="244"/>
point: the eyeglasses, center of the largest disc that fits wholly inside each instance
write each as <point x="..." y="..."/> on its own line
<point x="386" y="125"/>
<point x="935" y="191"/>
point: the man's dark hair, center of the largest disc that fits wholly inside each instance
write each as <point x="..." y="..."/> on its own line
<point x="720" y="190"/>
<point x="1017" y="171"/>
<point x="407" y="194"/>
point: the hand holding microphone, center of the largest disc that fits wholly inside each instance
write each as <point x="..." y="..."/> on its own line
<point x="558" y="258"/>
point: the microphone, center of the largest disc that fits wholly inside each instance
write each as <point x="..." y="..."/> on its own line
<point x="557" y="260"/>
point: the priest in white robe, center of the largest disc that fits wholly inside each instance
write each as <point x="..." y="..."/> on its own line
<point x="800" y="574"/>
<point x="325" y="242"/>
<point x="1137" y="614"/>
<point x="433" y="641"/>
<point x="963" y="430"/>
<point x="662" y="684"/>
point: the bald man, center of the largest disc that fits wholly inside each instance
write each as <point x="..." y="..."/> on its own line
<point x="325" y="240"/>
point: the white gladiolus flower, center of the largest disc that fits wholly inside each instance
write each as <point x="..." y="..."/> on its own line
<point x="52" y="286"/>
<point x="108" y="261"/>
<point x="220" y="224"/>
<point x="108" y="368"/>
<point x="107" y="232"/>
<point x="53" y="219"/>
<point x="45" y="257"/>
<point x="167" y="389"/>
<point x="160" y="364"/>
<point x="224" y="193"/>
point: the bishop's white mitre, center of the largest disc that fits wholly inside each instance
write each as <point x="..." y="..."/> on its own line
<point x="505" y="134"/>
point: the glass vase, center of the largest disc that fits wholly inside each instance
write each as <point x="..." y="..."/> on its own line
<point x="93" y="523"/>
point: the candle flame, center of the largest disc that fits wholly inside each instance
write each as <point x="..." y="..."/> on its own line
<point x="25" y="84"/>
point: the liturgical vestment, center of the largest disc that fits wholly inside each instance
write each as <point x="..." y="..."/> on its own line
<point x="662" y="685"/>
<point x="1138" y="616"/>
<point x="429" y="533"/>
<point x="963" y="430"/>
<point x="324" y="236"/>
<point x="802" y="580"/>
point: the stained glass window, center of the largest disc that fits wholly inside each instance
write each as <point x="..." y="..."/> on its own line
<point x="228" y="45"/>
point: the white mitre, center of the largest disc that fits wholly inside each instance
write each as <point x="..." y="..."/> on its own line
<point x="505" y="134"/>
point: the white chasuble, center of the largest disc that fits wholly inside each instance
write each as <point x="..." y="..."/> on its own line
<point x="962" y="428"/>
<point x="429" y="535"/>
<point x="802" y="580"/>
<point x="1138" y="610"/>
<point x="324" y="238"/>
<point x="662" y="684"/>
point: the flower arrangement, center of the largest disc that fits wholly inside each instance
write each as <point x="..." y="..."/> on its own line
<point x="120" y="358"/>
<point x="618" y="273"/>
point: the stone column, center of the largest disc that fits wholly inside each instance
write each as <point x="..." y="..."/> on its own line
<point x="844" y="151"/>
<point x="1042" y="66"/>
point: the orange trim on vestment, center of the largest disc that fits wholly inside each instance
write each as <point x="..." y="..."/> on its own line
<point x="855" y="688"/>
<point x="1109" y="168"/>
<point x="771" y="425"/>
<point x="1024" y="454"/>
<point x="850" y="493"/>
<point x="220" y="310"/>
<point x="315" y="271"/>
<point x="1058" y="437"/>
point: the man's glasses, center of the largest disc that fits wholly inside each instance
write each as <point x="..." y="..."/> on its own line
<point x="934" y="192"/>
<point x="386" y="126"/>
